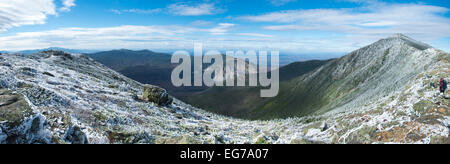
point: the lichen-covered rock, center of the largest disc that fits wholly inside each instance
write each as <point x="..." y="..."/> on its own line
<point x="263" y="140"/>
<point x="422" y="106"/>
<point x="126" y="137"/>
<point x="13" y="108"/>
<point x="156" y="95"/>
<point x="365" y="135"/>
<point x="74" y="135"/>
<point x="18" y="124"/>
<point x="439" y="140"/>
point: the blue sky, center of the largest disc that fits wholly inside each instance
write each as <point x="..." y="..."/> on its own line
<point x="290" y="26"/>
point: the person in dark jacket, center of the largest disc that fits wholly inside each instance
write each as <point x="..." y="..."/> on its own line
<point x="442" y="85"/>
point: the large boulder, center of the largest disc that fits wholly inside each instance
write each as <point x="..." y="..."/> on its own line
<point x="18" y="123"/>
<point x="156" y="95"/>
<point x="74" y="135"/>
<point x="13" y="108"/>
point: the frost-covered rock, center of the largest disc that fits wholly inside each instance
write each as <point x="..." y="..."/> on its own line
<point x="156" y="95"/>
<point x="43" y="97"/>
<point x="74" y="135"/>
<point x="13" y="108"/>
<point x="33" y="130"/>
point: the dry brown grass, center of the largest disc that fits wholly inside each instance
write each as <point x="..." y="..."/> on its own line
<point x="406" y="133"/>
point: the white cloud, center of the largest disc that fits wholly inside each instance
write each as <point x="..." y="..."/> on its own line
<point x="161" y="38"/>
<point x="185" y="9"/>
<point x="139" y="37"/>
<point x="378" y="23"/>
<point x="156" y="38"/>
<point x="255" y="35"/>
<point x="181" y="9"/>
<point x="353" y="28"/>
<point x="280" y="2"/>
<point x="201" y="23"/>
<point x="137" y="11"/>
<point x="14" y="13"/>
<point x="67" y="4"/>
<point x="94" y="38"/>
<point x="375" y="20"/>
<point x="222" y="29"/>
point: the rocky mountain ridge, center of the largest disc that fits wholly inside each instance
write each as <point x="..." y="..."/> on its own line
<point x="56" y="97"/>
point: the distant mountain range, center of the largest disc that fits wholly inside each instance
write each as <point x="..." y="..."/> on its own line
<point x="145" y="66"/>
<point x="56" y="49"/>
<point x="154" y="68"/>
<point x="285" y="59"/>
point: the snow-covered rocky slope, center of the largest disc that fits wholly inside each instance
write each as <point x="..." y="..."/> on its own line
<point x="352" y="81"/>
<point x="62" y="98"/>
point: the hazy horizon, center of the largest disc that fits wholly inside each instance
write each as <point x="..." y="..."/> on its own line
<point x="289" y="26"/>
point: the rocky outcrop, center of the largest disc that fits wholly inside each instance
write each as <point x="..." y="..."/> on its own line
<point x="74" y="135"/>
<point x="13" y="108"/>
<point x="43" y="97"/>
<point x="18" y="123"/>
<point x="156" y="95"/>
<point x="62" y="54"/>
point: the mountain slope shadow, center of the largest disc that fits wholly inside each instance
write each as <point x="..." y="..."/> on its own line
<point x="237" y="101"/>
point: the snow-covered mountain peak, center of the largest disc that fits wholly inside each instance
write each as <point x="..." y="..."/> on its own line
<point x="405" y="40"/>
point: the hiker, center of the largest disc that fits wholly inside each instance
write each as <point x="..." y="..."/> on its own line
<point x="442" y="85"/>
